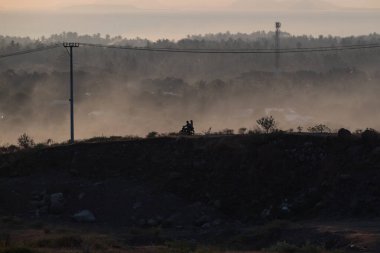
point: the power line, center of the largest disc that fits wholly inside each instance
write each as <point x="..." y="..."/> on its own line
<point x="238" y="51"/>
<point x="29" y="51"/>
<point x="206" y="51"/>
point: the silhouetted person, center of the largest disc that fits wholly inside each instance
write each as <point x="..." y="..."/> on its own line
<point x="188" y="129"/>
<point x="191" y="127"/>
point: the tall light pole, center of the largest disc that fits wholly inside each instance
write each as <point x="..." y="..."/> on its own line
<point x="277" y="46"/>
<point x="71" y="46"/>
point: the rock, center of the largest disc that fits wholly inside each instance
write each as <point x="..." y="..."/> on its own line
<point x="56" y="203"/>
<point x="266" y="213"/>
<point x="285" y="207"/>
<point x="344" y="133"/>
<point x="84" y="216"/>
<point x="357" y="247"/>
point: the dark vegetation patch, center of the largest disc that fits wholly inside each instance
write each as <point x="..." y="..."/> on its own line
<point x="252" y="177"/>
<point x="241" y="191"/>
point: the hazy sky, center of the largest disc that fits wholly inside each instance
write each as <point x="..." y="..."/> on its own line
<point x="153" y="4"/>
<point x="37" y="18"/>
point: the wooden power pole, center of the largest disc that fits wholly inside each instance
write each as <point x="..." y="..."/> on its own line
<point x="71" y="46"/>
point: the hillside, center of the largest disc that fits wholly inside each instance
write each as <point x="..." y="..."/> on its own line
<point x="204" y="188"/>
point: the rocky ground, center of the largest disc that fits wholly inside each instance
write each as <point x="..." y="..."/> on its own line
<point x="279" y="192"/>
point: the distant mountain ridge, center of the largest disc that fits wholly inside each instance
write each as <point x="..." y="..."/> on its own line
<point x="279" y="5"/>
<point x="101" y="8"/>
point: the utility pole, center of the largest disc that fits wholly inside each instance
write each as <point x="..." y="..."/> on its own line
<point x="71" y="46"/>
<point x="277" y="46"/>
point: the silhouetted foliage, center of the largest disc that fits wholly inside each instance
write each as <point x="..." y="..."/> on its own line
<point x="25" y="141"/>
<point x="228" y="131"/>
<point x="242" y="130"/>
<point x="320" y="128"/>
<point x="268" y="123"/>
<point x="152" y="135"/>
<point x="370" y="135"/>
<point x="344" y="133"/>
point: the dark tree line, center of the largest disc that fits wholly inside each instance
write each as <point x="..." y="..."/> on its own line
<point x="137" y="64"/>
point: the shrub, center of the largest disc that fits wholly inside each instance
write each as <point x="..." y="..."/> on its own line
<point x="173" y="134"/>
<point x="268" y="123"/>
<point x="242" y="130"/>
<point x="228" y="131"/>
<point x="25" y="141"/>
<point x="208" y="132"/>
<point x="344" y="133"/>
<point x="320" y="128"/>
<point x="257" y="130"/>
<point x="98" y="139"/>
<point x="152" y="135"/>
<point x="369" y="135"/>
<point x="299" y="129"/>
<point x="40" y="146"/>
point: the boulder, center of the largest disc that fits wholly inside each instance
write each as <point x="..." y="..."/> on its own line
<point x="266" y="213"/>
<point x="84" y="216"/>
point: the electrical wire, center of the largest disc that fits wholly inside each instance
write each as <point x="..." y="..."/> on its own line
<point x="29" y="51"/>
<point x="206" y="51"/>
<point x="238" y="51"/>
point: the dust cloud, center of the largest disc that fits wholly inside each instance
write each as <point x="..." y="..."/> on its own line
<point x="122" y="92"/>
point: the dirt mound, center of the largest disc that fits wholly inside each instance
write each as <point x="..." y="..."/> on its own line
<point x="197" y="183"/>
<point x="248" y="177"/>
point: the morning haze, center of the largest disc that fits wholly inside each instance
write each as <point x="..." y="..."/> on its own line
<point x="124" y="92"/>
<point x="189" y="126"/>
<point x="176" y="19"/>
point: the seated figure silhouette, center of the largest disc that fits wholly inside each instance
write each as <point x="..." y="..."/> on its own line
<point x="188" y="129"/>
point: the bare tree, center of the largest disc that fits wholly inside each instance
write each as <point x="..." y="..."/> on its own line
<point x="268" y="123"/>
